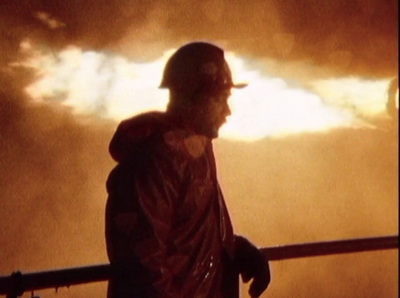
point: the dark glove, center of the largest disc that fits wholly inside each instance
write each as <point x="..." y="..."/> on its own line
<point x="252" y="264"/>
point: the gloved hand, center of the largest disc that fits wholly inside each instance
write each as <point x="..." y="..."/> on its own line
<point x="252" y="264"/>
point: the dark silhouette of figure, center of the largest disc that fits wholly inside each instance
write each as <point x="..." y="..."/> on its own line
<point x="168" y="230"/>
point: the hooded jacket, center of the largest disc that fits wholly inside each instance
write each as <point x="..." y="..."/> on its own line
<point x="167" y="226"/>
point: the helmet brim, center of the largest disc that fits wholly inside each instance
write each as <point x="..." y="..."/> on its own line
<point x="240" y="85"/>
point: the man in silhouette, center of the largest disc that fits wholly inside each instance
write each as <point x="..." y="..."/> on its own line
<point x="168" y="230"/>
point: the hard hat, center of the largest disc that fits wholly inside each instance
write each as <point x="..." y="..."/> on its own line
<point x="198" y="66"/>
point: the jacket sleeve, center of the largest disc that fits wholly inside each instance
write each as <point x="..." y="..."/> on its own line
<point x="146" y="223"/>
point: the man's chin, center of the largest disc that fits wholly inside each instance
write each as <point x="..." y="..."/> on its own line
<point x="211" y="134"/>
<point x="211" y="131"/>
<point x="214" y="134"/>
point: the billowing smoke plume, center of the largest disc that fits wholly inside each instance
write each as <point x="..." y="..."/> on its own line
<point x="344" y="37"/>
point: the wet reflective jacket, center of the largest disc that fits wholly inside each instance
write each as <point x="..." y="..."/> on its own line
<point x="167" y="227"/>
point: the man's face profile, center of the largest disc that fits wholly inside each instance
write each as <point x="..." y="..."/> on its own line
<point x="211" y="111"/>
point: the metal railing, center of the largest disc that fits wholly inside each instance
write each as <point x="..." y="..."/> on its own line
<point x="17" y="283"/>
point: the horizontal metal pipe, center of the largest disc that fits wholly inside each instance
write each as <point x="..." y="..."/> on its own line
<point x="303" y="250"/>
<point x="17" y="283"/>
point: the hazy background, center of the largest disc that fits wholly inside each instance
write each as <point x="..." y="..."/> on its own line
<point x="307" y="187"/>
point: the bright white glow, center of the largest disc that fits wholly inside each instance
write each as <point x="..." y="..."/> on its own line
<point x="113" y="87"/>
<point x="268" y="107"/>
<point x="92" y="82"/>
<point x="367" y="97"/>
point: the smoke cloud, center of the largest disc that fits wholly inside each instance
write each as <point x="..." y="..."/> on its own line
<point x="313" y="187"/>
<point x="342" y="37"/>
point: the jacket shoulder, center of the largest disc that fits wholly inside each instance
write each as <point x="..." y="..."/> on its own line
<point x="192" y="145"/>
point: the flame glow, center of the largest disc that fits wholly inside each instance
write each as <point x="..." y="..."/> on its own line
<point x="113" y="87"/>
<point x="366" y="96"/>
<point x="92" y="82"/>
